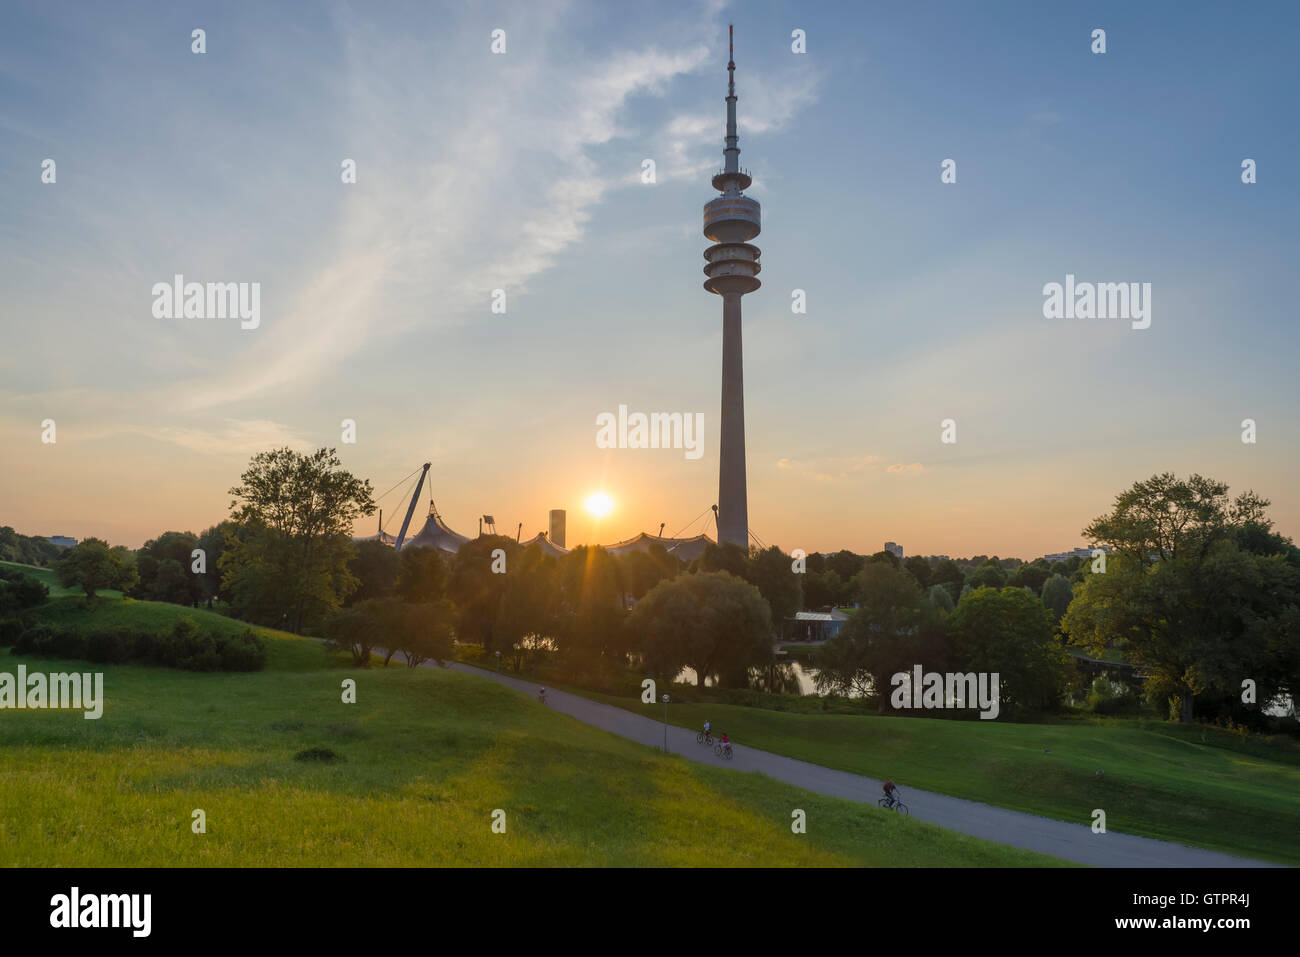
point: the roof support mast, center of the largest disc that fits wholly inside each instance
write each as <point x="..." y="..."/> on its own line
<point x="415" y="497"/>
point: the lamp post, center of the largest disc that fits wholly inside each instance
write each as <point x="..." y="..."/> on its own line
<point x="498" y="662"/>
<point x="665" y="724"/>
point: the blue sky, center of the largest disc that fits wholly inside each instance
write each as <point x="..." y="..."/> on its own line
<point x="522" y="171"/>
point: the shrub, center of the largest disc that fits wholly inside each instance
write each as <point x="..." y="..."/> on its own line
<point x="317" y="754"/>
<point x="10" y="629"/>
<point x="244" y="652"/>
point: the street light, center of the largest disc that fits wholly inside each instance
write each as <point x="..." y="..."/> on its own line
<point x="498" y="662"/>
<point x="665" y="724"/>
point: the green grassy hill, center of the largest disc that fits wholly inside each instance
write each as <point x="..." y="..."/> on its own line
<point x="1195" y="784"/>
<point x="425" y="757"/>
<point x="46" y="577"/>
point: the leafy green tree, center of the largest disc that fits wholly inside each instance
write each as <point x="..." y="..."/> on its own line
<point x="423" y="631"/>
<point x="920" y="569"/>
<point x="92" y="566"/>
<point x="845" y="564"/>
<point x="374" y="565"/>
<point x="1008" y="631"/>
<point x="289" y="564"/>
<point x="940" y="598"/>
<point x="771" y="572"/>
<point x="213" y="542"/>
<point x="894" y="629"/>
<point x="1031" y="575"/>
<point x="724" y="557"/>
<point x="1058" y="591"/>
<point x="1195" y="610"/>
<point x="988" y="575"/>
<point x="713" y="622"/>
<point x="528" y="618"/>
<point x="422" y="575"/>
<point x="476" y="590"/>
<point x="591" y="631"/>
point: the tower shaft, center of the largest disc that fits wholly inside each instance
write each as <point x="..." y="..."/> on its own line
<point x="731" y="221"/>
<point x="733" y="496"/>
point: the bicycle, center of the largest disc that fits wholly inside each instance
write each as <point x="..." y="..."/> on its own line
<point x="893" y="804"/>
<point x="723" y="751"/>
<point x="541" y="696"/>
<point x="703" y="738"/>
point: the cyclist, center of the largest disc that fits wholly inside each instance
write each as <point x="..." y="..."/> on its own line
<point x="707" y="728"/>
<point x="541" y="696"/>
<point x="890" y="789"/>
<point x="725" y="742"/>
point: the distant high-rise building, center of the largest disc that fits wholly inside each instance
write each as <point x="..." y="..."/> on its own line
<point x="557" y="527"/>
<point x="894" y="549"/>
<point x="731" y="221"/>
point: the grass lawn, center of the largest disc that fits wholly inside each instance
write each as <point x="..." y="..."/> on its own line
<point x="46" y="577"/>
<point x="425" y="756"/>
<point x="1196" y="785"/>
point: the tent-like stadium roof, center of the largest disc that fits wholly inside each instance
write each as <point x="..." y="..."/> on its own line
<point x="687" y="549"/>
<point x="436" y="534"/>
<point x="547" y="546"/>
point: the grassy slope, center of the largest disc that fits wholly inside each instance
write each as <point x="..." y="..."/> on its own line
<point x="46" y="577"/>
<point x="427" y="756"/>
<point x="1198" y="785"/>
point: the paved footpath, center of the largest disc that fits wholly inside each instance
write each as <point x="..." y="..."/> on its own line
<point x="1073" y="842"/>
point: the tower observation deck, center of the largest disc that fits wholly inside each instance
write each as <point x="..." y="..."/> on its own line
<point x="732" y="267"/>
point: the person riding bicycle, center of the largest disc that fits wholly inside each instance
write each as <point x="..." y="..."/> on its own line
<point x="725" y="742"/>
<point x="890" y="792"/>
<point x="708" y="728"/>
<point x="541" y="695"/>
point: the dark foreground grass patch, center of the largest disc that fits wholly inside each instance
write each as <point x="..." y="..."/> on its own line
<point x="325" y="755"/>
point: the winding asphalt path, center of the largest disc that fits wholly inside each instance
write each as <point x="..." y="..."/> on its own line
<point x="1072" y="842"/>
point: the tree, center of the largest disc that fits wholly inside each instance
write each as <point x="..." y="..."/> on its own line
<point x="591" y="618"/>
<point x="845" y="564"/>
<point x="1058" y="591"/>
<point x="920" y="569"/>
<point x="1031" y="575"/>
<point x="894" y="629"/>
<point x="771" y="573"/>
<point x="356" y="630"/>
<point x="528" y="616"/>
<point x="1196" y="611"/>
<point x="421" y="575"/>
<point x="713" y="622"/>
<point x="289" y="565"/>
<point x="476" y="590"/>
<point x="92" y="566"/>
<point x="724" y="557"/>
<point x="948" y="573"/>
<point x="164" y="570"/>
<point x="1008" y="632"/>
<point x="423" y="631"/>
<point x="213" y="542"/>
<point x="940" y="598"/>
<point x="987" y="575"/>
<point x="374" y="565"/>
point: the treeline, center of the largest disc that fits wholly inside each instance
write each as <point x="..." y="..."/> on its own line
<point x="832" y="580"/>
<point x="27" y="549"/>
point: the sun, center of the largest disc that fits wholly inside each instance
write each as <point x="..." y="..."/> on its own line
<point x="598" y="504"/>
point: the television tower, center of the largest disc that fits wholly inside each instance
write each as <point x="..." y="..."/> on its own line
<point x="730" y="221"/>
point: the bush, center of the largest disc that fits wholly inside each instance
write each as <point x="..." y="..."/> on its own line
<point x="184" y="647"/>
<point x="10" y="629"/>
<point x="245" y="652"/>
<point x="21" y="593"/>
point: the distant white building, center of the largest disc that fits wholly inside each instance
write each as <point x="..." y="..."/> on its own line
<point x="1076" y="553"/>
<point x="894" y="549"/>
<point x="61" y="540"/>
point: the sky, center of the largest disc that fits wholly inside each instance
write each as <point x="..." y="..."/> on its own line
<point x="523" y="171"/>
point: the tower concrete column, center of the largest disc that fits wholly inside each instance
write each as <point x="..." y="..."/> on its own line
<point x="733" y="504"/>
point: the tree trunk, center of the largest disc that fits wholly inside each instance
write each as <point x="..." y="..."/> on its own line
<point x="1185" y="712"/>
